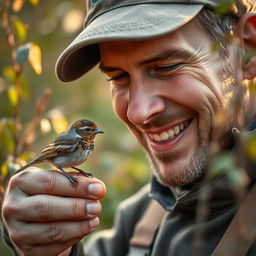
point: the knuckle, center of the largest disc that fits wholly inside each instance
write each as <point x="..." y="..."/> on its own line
<point x="43" y="207"/>
<point x="49" y="181"/>
<point x="9" y="210"/>
<point x="78" y="208"/>
<point x="55" y="233"/>
<point x="18" y="237"/>
<point x="16" y="180"/>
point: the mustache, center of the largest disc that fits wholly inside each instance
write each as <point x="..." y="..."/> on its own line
<point x="165" y="118"/>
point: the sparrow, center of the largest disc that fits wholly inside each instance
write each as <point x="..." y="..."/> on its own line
<point x="70" y="148"/>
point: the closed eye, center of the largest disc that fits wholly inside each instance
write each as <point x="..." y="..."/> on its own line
<point x="167" y="67"/>
<point x="119" y="77"/>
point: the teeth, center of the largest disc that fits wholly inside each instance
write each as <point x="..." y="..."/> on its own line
<point x="164" y="136"/>
<point x="170" y="133"/>
<point x="176" y="130"/>
<point x="156" y="137"/>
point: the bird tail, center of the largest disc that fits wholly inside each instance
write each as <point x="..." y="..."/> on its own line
<point x="24" y="167"/>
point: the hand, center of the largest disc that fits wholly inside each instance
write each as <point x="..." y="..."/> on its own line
<point x="45" y="214"/>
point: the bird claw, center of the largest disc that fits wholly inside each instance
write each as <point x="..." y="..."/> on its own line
<point x="72" y="179"/>
<point x="86" y="174"/>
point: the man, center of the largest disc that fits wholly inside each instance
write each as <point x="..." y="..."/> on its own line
<point x="175" y="70"/>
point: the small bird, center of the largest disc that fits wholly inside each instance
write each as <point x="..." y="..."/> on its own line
<point x="71" y="148"/>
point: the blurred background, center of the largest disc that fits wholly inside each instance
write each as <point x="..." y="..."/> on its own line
<point x="35" y="106"/>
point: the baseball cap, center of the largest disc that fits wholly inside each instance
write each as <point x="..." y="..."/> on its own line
<point x="109" y="20"/>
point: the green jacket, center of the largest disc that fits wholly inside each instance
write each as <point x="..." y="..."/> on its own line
<point x="177" y="230"/>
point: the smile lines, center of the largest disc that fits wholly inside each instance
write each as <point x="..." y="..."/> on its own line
<point x="169" y="134"/>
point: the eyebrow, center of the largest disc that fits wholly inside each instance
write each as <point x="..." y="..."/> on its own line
<point x="173" y="53"/>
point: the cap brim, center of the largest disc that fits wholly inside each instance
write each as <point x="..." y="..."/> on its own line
<point x="149" y="20"/>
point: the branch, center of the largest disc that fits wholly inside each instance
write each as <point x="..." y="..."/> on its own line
<point x="39" y="110"/>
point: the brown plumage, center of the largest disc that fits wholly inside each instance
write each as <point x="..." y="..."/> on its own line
<point x="71" y="148"/>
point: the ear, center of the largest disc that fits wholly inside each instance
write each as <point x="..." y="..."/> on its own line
<point x="246" y="30"/>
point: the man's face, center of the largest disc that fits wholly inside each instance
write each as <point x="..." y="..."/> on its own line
<point x="168" y="91"/>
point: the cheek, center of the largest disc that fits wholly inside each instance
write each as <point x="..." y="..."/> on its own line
<point x="120" y="98"/>
<point x="119" y="102"/>
<point x="196" y="94"/>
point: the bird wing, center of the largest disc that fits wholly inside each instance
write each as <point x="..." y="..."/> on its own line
<point x="58" y="148"/>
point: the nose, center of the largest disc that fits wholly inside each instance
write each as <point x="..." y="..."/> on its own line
<point x="144" y="102"/>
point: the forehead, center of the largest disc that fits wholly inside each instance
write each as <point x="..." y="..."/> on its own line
<point x="189" y="37"/>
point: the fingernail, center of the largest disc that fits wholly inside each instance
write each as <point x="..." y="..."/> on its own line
<point x="93" y="208"/>
<point x="93" y="223"/>
<point x="95" y="189"/>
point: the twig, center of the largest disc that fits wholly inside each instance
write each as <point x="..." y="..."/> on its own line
<point x="39" y="110"/>
<point x="201" y="214"/>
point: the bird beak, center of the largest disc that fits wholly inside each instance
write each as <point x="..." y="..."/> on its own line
<point x="97" y="130"/>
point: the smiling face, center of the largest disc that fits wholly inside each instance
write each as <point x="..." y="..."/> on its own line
<point x="168" y="91"/>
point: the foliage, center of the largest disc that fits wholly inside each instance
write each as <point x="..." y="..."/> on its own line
<point x="34" y="105"/>
<point x="14" y="143"/>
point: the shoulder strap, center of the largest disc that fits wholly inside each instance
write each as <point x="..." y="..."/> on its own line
<point x="146" y="228"/>
<point x="242" y="230"/>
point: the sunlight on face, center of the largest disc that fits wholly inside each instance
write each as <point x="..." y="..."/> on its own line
<point x="169" y="96"/>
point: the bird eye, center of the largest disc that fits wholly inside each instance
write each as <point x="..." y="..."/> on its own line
<point x="85" y="129"/>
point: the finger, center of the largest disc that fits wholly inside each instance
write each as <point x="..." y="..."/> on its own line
<point x="36" y="181"/>
<point x="51" y="249"/>
<point x="53" y="208"/>
<point x="35" y="234"/>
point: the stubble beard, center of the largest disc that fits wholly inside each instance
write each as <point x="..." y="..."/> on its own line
<point x="197" y="167"/>
<point x="192" y="173"/>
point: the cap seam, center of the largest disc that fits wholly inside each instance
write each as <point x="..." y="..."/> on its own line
<point x="131" y="26"/>
<point x="131" y="4"/>
<point x="108" y="10"/>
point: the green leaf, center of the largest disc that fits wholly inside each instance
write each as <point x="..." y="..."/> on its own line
<point x="6" y="135"/>
<point x="30" y="52"/>
<point x="238" y="178"/>
<point x="252" y="86"/>
<point x="4" y="170"/>
<point x="250" y="146"/>
<point x="8" y="74"/>
<point x="12" y="94"/>
<point x="224" y="7"/>
<point x="221" y="164"/>
<point x="23" y="53"/>
<point x="20" y="29"/>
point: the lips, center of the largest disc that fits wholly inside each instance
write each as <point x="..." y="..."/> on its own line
<point x="169" y="134"/>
